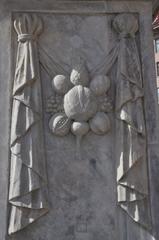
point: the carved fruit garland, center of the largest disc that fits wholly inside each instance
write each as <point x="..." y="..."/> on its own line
<point x="84" y="104"/>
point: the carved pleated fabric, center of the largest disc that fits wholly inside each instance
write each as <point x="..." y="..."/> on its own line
<point x="28" y="173"/>
<point x="28" y="180"/>
<point x="132" y="171"/>
<point x="130" y="154"/>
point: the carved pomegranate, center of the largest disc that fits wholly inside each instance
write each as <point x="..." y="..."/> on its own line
<point x="100" y="84"/>
<point x="59" y="124"/>
<point x="100" y="123"/>
<point x="80" y="104"/>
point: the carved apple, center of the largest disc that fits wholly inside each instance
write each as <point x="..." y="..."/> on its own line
<point x="80" y="104"/>
<point x="100" y="123"/>
<point x="80" y="128"/>
<point x="61" y="84"/>
<point x="100" y="84"/>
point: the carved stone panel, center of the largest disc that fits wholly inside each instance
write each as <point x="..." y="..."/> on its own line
<point x="79" y="164"/>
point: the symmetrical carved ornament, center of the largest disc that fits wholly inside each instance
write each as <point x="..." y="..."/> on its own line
<point x="80" y="104"/>
<point x="81" y="109"/>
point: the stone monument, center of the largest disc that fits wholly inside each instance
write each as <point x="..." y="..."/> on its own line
<point x="79" y="122"/>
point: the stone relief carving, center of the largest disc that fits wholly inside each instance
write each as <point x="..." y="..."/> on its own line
<point x="81" y="111"/>
<point x="28" y="180"/>
<point x="80" y="103"/>
<point x="131" y="160"/>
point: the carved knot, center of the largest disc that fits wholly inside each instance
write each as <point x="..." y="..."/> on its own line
<point x="25" y="37"/>
<point x="126" y="35"/>
<point x="28" y="27"/>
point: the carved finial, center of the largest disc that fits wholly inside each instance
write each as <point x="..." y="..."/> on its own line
<point x="28" y="27"/>
<point x="126" y="25"/>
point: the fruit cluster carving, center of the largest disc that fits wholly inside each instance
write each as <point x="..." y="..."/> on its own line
<point x="80" y="104"/>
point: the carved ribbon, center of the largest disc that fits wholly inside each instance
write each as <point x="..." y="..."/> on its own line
<point x="28" y="180"/>
<point x="132" y="172"/>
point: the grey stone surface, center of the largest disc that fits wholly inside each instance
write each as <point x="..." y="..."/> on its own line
<point x="5" y="29"/>
<point x="82" y="192"/>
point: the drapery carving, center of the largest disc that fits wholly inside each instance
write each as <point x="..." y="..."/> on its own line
<point x="131" y="159"/>
<point x="132" y="173"/>
<point x="28" y="180"/>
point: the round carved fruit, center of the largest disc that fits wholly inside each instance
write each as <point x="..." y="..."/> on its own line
<point x="80" y="76"/>
<point x="61" y="84"/>
<point x="126" y="24"/>
<point x="80" y="104"/>
<point x="100" y="84"/>
<point x="100" y="123"/>
<point x="59" y="124"/>
<point x="80" y="128"/>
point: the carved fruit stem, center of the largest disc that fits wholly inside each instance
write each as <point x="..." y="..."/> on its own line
<point x="78" y="147"/>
